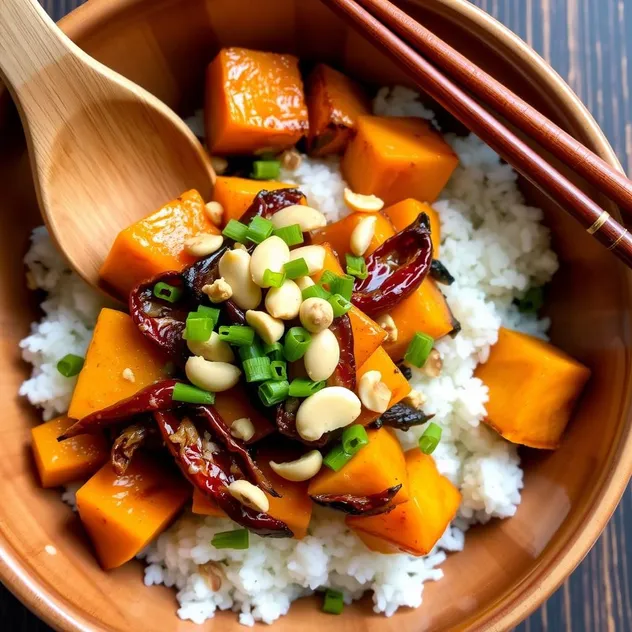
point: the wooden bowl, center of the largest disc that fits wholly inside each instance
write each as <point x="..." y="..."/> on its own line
<point x="508" y="567"/>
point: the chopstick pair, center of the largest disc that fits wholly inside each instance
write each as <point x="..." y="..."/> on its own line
<point x="372" y="18"/>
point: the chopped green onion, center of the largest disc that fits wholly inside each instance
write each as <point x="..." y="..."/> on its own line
<point x="206" y="312"/>
<point x="340" y="284"/>
<point x="273" y="392"/>
<point x="297" y="340"/>
<point x="291" y="235"/>
<point x="235" y="230"/>
<point x="273" y="279"/>
<point x="333" y="602"/>
<point x="70" y="365"/>
<point x="278" y="368"/>
<point x="274" y="351"/>
<point x="296" y="268"/>
<point x="532" y="301"/>
<point x="339" y="304"/>
<point x="337" y="458"/>
<point x="237" y="539"/>
<point x="198" y="329"/>
<point x="356" y="266"/>
<point x="257" y="369"/>
<point x="302" y="387"/>
<point x="259" y="230"/>
<point x="429" y="440"/>
<point x="315" y="291"/>
<point x="192" y="395"/>
<point x="419" y="349"/>
<point x="167" y="292"/>
<point x="327" y="278"/>
<point x="247" y="352"/>
<point x="237" y="335"/>
<point x="266" y="169"/>
<point x="354" y="438"/>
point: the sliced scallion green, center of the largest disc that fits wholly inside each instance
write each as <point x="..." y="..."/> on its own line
<point x="167" y="292"/>
<point x="247" y="352"/>
<point x="257" y="369"/>
<point x="315" y="291"/>
<point x="237" y="335"/>
<point x="296" y="268"/>
<point x="274" y="351"/>
<point x="333" y="602"/>
<point x="273" y="279"/>
<point x="192" y="395"/>
<point x="339" y="304"/>
<point x="291" y="235"/>
<point x="203" y="311"/>
<point x="198" y="329"/>
<point x="336" y="458"/>
<point x="295" y="345"/>
<point x="429" y="440"/>
<point x="278" y="369"/>
<point x="327" y="278"/>
<point x="302" y="387"/>
<point x="236" y="231"/>
<point x="238" y="539"/>
<point x="266" y="169"/>
<point x="70" y="365"/>
<point x="356" y="266"/>
<point x="259" y="229"/>
<point x="273" y="392"/>
<point x="354" y="438"/>
<point x="419" y="349"/>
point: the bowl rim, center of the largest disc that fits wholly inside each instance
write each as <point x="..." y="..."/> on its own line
<point x="58" y="613"/>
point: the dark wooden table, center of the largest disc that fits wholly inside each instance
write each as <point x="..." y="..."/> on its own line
<point x="589" y="42"/>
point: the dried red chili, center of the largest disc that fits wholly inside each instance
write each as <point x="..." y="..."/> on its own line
<point x="126" y="445"/>
<point x="267" y="203"/>
<point x="359" y="505"/>
<point x="345" y="373"/>
<point x="403" y="417"/>
<point x="158" y="396"/>
<point x="285" y="420"/>
<point x="212" y="476"/>
<point x="395" y="269"/>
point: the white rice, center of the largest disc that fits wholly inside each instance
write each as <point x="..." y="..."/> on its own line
<point x="496" y="248"/>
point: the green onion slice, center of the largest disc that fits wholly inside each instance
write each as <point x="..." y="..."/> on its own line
<point x="339" y="304"/>
<point x="327" y="278"/>
<point x="237" y="335"/>
<point x="198" y="329"/>
<point x="266" y="169"/>
<point x="337" y="458"/>
<point x="291" y="235"/>
<point x="356" y="266"/>
<point x="354" y="438"/>
<point x="273" y="279"/>
<point x="278" y="369"/>
<point x="247" y="352"/>
<point x="235" y="230"/>
<point x="257" y="369"/>
<point x="302" y="387"/>
<point x="237" y="539"/>
<point x="333" y="602"/>
<point x="429" y="440"/>
<point x="315" y="291"/>
<point x="274" y="351"/>
<point x="206" y="312"/>
<point x="167" y="292"/>
<point x="259" y="230"/>
<point x="419" y="349"/>
<point x="273" y="392"/>
<point x="192" y="395"/>
<point x="70" y="365"/>
<point x="297" y="340"/>
<point x="296" y="268"/>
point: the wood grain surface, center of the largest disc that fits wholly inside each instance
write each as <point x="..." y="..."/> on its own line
<point x="589" y="42"/>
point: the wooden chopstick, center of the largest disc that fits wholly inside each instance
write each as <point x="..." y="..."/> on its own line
<point x="590" y="215"/>
<point x="505" y="102"/>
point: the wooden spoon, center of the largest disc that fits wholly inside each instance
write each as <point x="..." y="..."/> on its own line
<point x="104" y="152"/>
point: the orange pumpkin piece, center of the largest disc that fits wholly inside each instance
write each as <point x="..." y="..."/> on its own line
<point x="391" y="376"/>
<point x="234" y="404"/>
<point x="415" y="526"/>
<point x="294" y="507"/>
<point x="367" y="334"/>
<point x="376" y="467"/>
<point x="404" y="213"/>
<point x="236" y="194"/>
<point x="61" y="462"/>
<point x="397" y="158"/>
<point x="123" y="514"/>
<point x="116" y="345"/>
<point x="425" y="310"/>
<point x="254" y="102"/>
<point x="338" y="234"/>
<point x="334" y="103"/>
<point x="533" y="387"/>
<point x="156" y="244"/>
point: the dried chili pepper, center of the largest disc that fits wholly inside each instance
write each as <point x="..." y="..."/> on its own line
<point x="212" y="476"/>
<point x="345" y="373"/>
<point x="245" y="462"/>
<point x="395" y="269"/>
<point x="126" y="444"/>
<point x="403" y="417"/>
<point x="285" y="420"/>
<point x="440" y="273"/>
<point x="359" y="505"/>
<point x="267" y="203"/>
<point x="158" y="396"/>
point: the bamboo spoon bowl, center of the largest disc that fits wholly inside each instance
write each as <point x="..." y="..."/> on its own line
<point x="104" y="151"/>
<point x="507" y="568"/>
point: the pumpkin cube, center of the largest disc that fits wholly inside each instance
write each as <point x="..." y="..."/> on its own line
<point x="397" y="158"/>
<point x="334" y="103"/>
<point x="205" y="506"/>
<point x="156" y="244"/>
<point x="116" y="345"/>
<point x="415" y="526"/>
<point x="61" y="462"/>
<point x="404" y="213"/>
<point x="377" y="466"/>
<point x="254" y="102"/>
<point x="533" y="387"/>
<point x="123" y="514"/>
